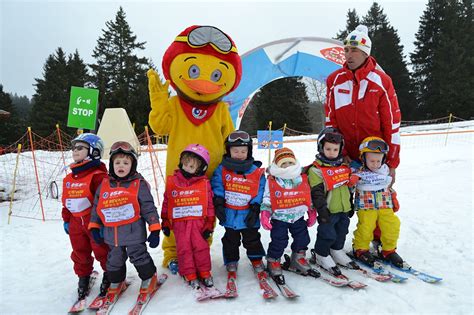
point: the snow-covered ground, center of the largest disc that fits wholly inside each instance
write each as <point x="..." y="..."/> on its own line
<point x="434" y="184"/>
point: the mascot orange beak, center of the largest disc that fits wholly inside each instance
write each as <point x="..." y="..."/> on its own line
<point x="203" y="86"/>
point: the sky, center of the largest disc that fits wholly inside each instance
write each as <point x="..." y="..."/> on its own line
<point x="32" y="30"/>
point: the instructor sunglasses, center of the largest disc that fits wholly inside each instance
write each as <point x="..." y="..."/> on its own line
<point x="203" y="35"/>
<point x="238" y="135"/>
<point x="354" y="43"/>
<point x="375" y="145"/>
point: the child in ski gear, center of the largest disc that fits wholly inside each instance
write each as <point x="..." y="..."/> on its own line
<point x="123" y="206"/>
<point x="238" y="185"/>
<point x="189" y="212"/>
<point x="374" y="204"/>
<point x="328" y="178"/>
<point x="286" y="200"/>
<point x="79" y="188"/>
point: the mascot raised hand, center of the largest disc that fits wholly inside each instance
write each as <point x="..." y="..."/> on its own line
<point x="202" y="65"/>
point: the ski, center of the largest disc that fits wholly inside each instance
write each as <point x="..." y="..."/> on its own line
<point x="144" y="296"/>
<point x="350" y="283"/>
<point x="204" y="293"/>
<point x="285" y="290"/>
<point x="314" y="273"/>
<point x="410" y="270"/>
<point x="97" y="302"/>
<point x="231" y="287"/>
<point x="265" y="287"/>
<point x="80" y="304"/>
<point x="378" y="268"/>
<point x="366" y="273"/>
<point x="113" y="294"/>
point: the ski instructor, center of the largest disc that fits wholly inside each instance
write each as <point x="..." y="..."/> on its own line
<point x="202" y="65"/>
<point x="361" y="102"/>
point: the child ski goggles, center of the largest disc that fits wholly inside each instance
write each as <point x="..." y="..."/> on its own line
<point x="123" y="147"/>
<point x="374" y="145"/>
<point x="238" y="135"/>
<point x="332" y="137"/>
<point x="203" y="35"/>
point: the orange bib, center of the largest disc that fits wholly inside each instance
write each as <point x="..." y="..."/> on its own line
<point x="118" y="206"/>
<point x="77" y="196"/>
<point x="240" y="189"/>
<point x="334" y="176"/>
<point x="290" y="200"/>
<point x="187" y="203"/>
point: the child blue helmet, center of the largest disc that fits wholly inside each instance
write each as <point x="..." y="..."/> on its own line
<point x="96" y="145"/>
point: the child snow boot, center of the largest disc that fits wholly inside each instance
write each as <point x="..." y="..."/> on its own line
<point x="299" y="263"/>
<point x="206" y="279"/>
<point x="340" y="257"/>
<point x="326" y="263"/>
<point x="376" y="248"/>
<point x="364" y="256"/>
<point x="173" y="266"/>
<point x="194" y="284"/>
<point x="192" y="281"/>
<point x="395" y="259"/>
<point x="258" y="266"/>
<point x="149" y="285"/>
<point x="104" y="286"/>
<point x="231" y="267"/>
<point x="274" y="270"/>
<point x="83" y="287"/>
<point x="274" y="267"/>
<point x="208" y="282"/>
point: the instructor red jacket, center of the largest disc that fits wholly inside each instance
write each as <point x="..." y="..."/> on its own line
<point x="363" y="104"/>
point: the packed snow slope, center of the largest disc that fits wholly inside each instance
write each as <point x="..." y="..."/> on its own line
<point x="434" y="184"/>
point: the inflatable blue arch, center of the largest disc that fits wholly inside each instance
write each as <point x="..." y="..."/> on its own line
<point x="312" y="57"/>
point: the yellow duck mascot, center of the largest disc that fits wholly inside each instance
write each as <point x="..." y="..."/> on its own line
<point x="202" y="65"/>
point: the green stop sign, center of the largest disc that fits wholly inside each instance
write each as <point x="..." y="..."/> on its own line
<point x="83" y="108"/>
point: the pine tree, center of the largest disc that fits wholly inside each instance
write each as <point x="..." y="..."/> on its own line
<point x="282" y="101"/>
<point x="51" y="99"/>
<point x="51" y="96"/>
<point x="249" y="120"/>
<point x="352" y="21"/>
<point x="443" y="59"/>
<point x="388" y="52"/>
<point x="119" y="74"/>
<point x="10" y="131"/>
<point x="22" y="107"/>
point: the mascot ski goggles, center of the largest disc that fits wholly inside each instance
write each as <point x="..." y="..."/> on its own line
<point x="238" y="135"/>
<point x="123" y="147"/>
<point x="204" y="35"/>
<point x="375" y="145"/>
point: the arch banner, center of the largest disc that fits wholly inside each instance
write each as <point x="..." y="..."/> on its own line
<point x="312" y="57"/>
